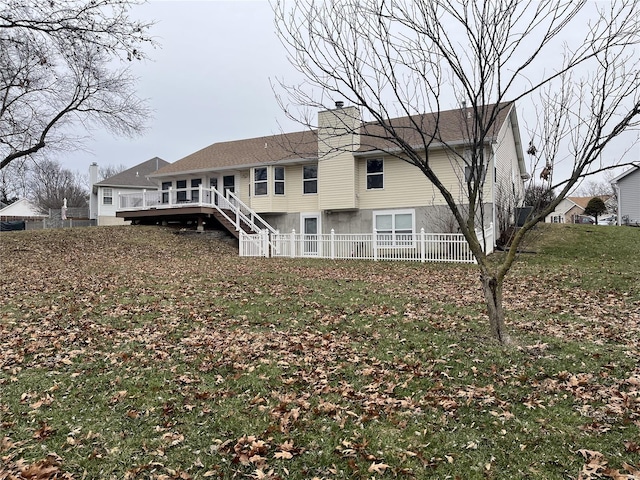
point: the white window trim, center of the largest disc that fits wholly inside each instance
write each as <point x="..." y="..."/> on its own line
<point x="257" y="182"/>
<point x="318" y="216"/>
<point x="367" y="174"/>
<point x="283" y="182"/>
<point x="309" y="180"/>
<point x="394" y="241"/>
<point x="104" y="191"/>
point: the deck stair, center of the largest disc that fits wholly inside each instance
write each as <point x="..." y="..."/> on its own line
<point x="231" y="226"/>
<point x="236" y="216"/>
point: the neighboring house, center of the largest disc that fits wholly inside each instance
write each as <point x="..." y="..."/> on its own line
<point x="571" y="209"/>
<point x="627" y="187"/>
<point x="18" y="215"/>
<point x="21" y="209"/>
<point x="337" y="179"/>
<point x="105" y="194"/>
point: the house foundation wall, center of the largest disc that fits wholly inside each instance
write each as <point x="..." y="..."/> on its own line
<point x="434" y="219"/>
<point x="108" y="220"/>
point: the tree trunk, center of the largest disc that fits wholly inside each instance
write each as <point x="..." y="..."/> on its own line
<point x="492" y="288"/>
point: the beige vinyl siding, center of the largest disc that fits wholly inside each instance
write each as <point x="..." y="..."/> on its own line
<point x="405" y="185"/>
<point x="292" y="201"/>
<point x="506" y="163"/>
<point x="336" y="182"/>
<point x="336" y="165"/>
<point x="261" y="203"/>
<point x="243" y="179"/>
<point x="296" y="200"/>
<point x="280" y="203"/>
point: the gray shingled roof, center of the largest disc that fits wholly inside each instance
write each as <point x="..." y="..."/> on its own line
<point x="304" y="145"/>
<point x="135" y="176"/>
<point x="270" y="149"/>
<point x="449" y="127"/>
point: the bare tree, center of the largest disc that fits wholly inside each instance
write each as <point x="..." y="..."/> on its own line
<point x="13" y="182"/>
<point x="410" y="57"/>
<point x="593" y="188"/>
<point x="59" y="67"/>
<point x="538" y="196"/>
<point x="50" y="184"/>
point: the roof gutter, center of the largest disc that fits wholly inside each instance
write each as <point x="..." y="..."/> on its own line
<point x="292" y="161"/>
<point x="418" y="147"/>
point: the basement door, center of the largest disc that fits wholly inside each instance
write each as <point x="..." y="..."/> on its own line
<point x="310" y="225"/>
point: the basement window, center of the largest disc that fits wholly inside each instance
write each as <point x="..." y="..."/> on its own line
<point x="394" y="228"/>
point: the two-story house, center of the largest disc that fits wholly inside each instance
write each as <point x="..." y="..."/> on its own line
<point x="340" y="177"/>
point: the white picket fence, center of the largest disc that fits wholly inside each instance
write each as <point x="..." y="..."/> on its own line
<point x="420" y="247"/>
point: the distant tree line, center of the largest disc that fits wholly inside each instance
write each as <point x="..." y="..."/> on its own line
<point x="47" y="183"/>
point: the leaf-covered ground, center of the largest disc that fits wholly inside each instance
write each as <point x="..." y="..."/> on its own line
<point x="135" y="352"/>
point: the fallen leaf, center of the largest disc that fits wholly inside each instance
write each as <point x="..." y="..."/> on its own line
<point x="378" y="468"/>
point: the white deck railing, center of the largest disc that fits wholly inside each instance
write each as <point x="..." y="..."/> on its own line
<point x="173" y="198"/>
<point x="196" y="197"/>
<point x="420" y="247"/>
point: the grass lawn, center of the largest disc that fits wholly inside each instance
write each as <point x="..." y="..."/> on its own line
<point x="134" y="352"/>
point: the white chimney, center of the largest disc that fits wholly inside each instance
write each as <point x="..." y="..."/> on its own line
<point x="93" y="197"/>
<point x="93" y="173"/>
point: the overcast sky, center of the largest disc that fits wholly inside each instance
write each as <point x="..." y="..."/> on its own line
<point x="209" y="81"/>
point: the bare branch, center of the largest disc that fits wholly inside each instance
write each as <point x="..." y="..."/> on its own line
<point x="408" y="58"/>
<point x="57" y="69"/>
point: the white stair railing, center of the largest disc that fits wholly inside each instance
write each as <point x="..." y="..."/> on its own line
<point x="247" y="215"/>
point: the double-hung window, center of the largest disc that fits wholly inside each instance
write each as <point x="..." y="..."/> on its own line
<point x="260" y="181"/>
<point x="394" y="228"/>
<point x="278" y="180"/>
<point x="375" y="173"/>
<point x="310" y="179"/>
<point x="107" y="196"/>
